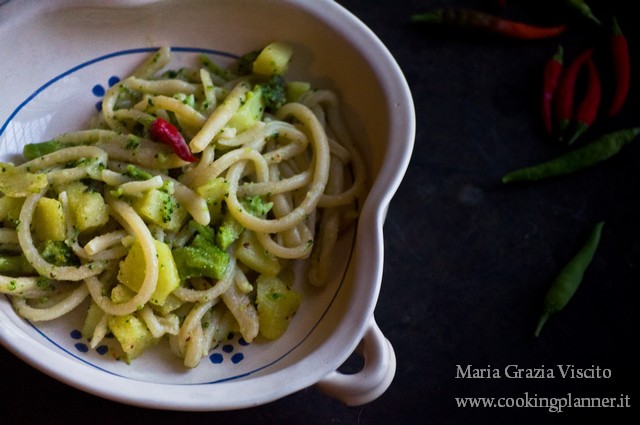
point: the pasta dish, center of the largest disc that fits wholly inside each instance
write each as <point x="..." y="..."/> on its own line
<point x="179" y="215"/>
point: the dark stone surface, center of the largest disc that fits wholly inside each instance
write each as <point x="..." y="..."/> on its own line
<point x="468" y="259"/>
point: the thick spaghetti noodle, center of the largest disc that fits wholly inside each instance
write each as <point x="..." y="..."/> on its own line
<point x="161" y="247"/>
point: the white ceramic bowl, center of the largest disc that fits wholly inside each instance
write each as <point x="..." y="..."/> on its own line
<point x="56" y="57"/>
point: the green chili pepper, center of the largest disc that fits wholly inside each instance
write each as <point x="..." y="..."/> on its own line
<point x="583" y="8"/>
<point x="568" y="280"/>
<point x="586" y="156"/>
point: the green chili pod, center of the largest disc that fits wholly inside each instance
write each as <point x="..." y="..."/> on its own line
<point x="583" y="8"/>
<point x="568" y="280"/>
<point x="586" y="156"/>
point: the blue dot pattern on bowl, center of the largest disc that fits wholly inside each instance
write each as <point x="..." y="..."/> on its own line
<point x="99" y="91"/>
<point x="218" y="355"/>
<point x="83" y="347"/>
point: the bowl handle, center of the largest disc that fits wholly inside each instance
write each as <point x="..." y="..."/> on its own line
<point x="374" y="378"/>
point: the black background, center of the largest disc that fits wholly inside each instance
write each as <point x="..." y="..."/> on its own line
<point x="467" y="259"/>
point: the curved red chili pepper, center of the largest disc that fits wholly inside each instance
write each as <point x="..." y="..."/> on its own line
<point x="621" y="67"/>
<point x="566" y="90"/>
<point x="588" y="109"/>
<point x="470" y="19"/>
<point x="165" y="132"/>
<point x="551" y="76"/>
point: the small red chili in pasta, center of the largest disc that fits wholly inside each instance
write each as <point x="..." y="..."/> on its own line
<point x="165" y="132"/>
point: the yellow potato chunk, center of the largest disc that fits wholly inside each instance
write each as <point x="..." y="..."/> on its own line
<point x="132" y="271"/>
<point x="48" y="220"/>
<point x="273" y="59"/>
<point x="132" y="334"/>
<point x="276" y="306"/>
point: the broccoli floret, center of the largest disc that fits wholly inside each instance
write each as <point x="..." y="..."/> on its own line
<point x="136" y="173"/>
<point x="274" y="93"/>
<point x="228" y="231"/>
<point x="215" y="69"/>
<point x="59" y="254"/>
<point x="15" y="265"/>
<point x="256" y="205"/>
<point x="201" y="258"/>
<point x="245" y="62"/>
<point x="169" y="203"/>
<point x="204" y="231"/>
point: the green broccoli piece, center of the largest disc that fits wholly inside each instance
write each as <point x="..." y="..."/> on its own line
<point x="215" y="69"/>
<point x="256" y="205"/>
<point x="245" y="62"/>
<point x="15" y="265"/>
<point x="228" y="231"/>
<point x="205" y="232"/>
<point x="136" y="173"/>
<point x="274" y="93"/>
<point x="202" y="258"/>
<point x="59" y="254"/>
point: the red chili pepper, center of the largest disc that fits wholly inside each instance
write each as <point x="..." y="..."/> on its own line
<point x="566" y="90"/>
<point x="588" y="109"/>
<point x="551" y="76"/>
<point x="620" y="53"/>
<point x="165" y="132"/>
<point x="483" y="22"/>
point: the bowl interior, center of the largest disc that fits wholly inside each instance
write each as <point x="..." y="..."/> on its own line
<point x="76" y="50"/>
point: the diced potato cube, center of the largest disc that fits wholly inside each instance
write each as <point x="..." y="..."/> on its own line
<point x="132" y="334"/>
<point x="273" y="59"/>
<point x="171" y="304"/>
<point x="18" y="183"/>
<point x="250" y="111"/>
<point x="132" y="271"/>
<point x="49" y="221"/>
<point x="161" y="208"/>
<point x="214" y="190"/>
<point x="10" y="209"/>
<point x="88" y="209"/>
<point x="276" y="306"/>
<point x="252" y="254"/>
<point x="295" y="90"/>
<point x="121" y="294"/>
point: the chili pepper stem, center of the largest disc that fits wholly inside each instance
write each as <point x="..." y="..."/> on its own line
<point x="434" y="17"/>
<point x="580" y="128"/>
